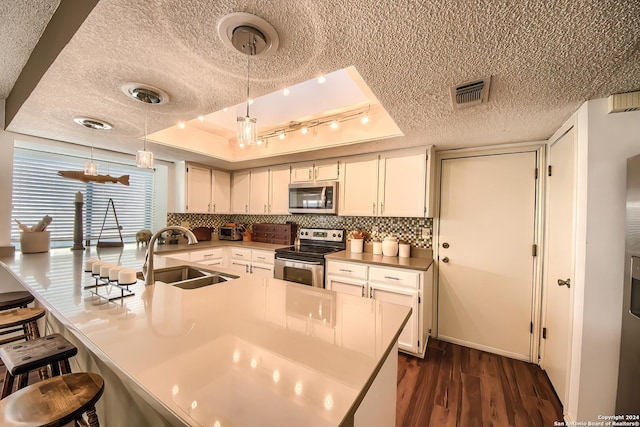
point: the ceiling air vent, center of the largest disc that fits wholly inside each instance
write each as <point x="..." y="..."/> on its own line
<point x="624" y="102"/>
<point x="472" y="93"/>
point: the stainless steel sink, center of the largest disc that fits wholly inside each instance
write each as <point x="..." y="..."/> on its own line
<point x="200" y="282"/>
<point x="177" y="274"/>
<point x="187" y="277"/>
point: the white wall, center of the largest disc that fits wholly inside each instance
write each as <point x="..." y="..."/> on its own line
<point x="605" y="141"/>
<point x="6" y="181"/>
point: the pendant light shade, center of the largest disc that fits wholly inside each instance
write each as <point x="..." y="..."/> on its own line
<point x="144" y="158"/>
<point x="91" y="168"/>
<point x="247" y="131"/>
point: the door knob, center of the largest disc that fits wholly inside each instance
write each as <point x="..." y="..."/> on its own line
<point x="445" y="259"/>
<point x="445" y="245"/>
<point x="566" y="283"/>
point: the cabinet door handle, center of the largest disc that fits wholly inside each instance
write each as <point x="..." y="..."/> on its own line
<point x="208" y="255"/>
<point x="374" y="208"/>
<point x="309" y="174"/>
<point x="370" y="292"/>
<point x="391" y="278"/>
<point x="316" y="173"/>
<point x="345" y="270"/>
<point x="260" y="268"/>
<point x="265" y="208"/>
<point x="209" y="207"/>
<point x="381" y="208"/>
<point x="363" y="291"/>
<point x="214" y="207"/>
<point x="246" y="208"/>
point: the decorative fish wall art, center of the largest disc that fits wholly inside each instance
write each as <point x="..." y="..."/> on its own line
<point x="80" y="176"/>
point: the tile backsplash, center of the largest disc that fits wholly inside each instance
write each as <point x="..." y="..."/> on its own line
<point x="408" y="230"/>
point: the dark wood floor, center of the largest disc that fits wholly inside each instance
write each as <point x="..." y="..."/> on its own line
<point x="463" y="387"/>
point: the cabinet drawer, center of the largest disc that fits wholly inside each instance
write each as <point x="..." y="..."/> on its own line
<point x="395" y="276"/>
<point x="241" y="253"/>
<point x="206" y="255"/>
<point x="346" y="269"/>
<point x="262" y="256"/>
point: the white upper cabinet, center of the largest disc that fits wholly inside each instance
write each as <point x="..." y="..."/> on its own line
<point x="259" y="192"/>
<point x="220" y="192"/>
<point x="198" y="189"/>
<point x="359" y="187"/>
<point x="319" y="171"/>
<point x="393" y="184"/>
<point x="207" y="190"/>
<point x="279" y="190"/>
<point x="401" y="186"/>
<point x="240" y="192"/>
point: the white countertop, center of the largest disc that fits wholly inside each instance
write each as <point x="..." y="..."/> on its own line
<point x="253" y="351"/>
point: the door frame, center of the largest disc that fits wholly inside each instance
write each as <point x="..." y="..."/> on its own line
<point x="539" y="148"/>
<point x="557" y="136"/>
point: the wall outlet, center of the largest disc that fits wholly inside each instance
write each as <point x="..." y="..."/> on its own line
<point x="425" y="233"/>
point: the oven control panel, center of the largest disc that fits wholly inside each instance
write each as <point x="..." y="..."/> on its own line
<point x="322" y="234"/>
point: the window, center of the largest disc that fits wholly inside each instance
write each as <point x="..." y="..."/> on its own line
<point x="38" y="190"/>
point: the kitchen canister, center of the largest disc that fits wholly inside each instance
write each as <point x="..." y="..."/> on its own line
<point x="390" y="246"/>
<point x="377" y="247"/>
<point x="357" y="245"/>
<point x="404" y="250"/>
<point x="34" y="242"/>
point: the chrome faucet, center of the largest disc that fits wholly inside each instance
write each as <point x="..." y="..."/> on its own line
<point x="147" y="268"/>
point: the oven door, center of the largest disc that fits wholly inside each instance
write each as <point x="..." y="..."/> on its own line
<point x="309" y="273"/>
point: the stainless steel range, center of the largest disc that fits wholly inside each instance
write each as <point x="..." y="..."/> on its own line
<point x="304" y="262"/>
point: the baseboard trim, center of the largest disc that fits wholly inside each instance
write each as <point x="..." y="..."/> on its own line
<point x="7" y="251"/>
<point x="485" y="348"/>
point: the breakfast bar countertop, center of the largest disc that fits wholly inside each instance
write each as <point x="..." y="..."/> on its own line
<point x="251" y="351"/>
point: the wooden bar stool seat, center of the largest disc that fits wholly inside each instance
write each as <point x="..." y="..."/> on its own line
<point x="15" y="299"/>
<point x="20" y="319"/>
<point x="20" y="358"/>
<point x="53" y="402"/>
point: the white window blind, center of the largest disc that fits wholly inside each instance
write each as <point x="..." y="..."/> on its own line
<point x="38" y="190"/>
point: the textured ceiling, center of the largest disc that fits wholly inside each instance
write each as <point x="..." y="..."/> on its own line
<point x="546" y="58"/>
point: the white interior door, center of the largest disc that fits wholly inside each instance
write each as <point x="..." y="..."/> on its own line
<point x="486" y="232"/>
<point x="558" y="263"/>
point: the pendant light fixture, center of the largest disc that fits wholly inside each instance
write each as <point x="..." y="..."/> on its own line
<point x="90" y="167"/>
<point x="144" y="158"/>
<point x="248" y="39"/>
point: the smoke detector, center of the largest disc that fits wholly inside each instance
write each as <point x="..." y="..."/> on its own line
<point x="145" y="93"/>
<point x="623" y="102"/>
<point x="234" y="28"/>
<point x="471" y="93"/>
<point x="92" y="123"/>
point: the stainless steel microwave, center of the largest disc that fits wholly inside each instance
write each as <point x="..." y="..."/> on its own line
<point x="319" y="198"/>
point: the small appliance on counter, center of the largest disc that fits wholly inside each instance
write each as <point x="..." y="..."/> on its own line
<point x="231" y="232"/>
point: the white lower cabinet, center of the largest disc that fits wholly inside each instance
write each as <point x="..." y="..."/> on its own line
<point x="411" y="288"/>
<point x="252" y="261"/>
<point x="208" y="257"/>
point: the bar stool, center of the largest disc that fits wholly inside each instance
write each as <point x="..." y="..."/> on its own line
<point x="54" y="402"/>
<point x="53" y="351"/>
<point x="15" y="299"/>
<point x="20" y="319"/>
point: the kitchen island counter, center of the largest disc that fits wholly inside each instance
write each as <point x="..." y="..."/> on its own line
<point x="253" y="351"/>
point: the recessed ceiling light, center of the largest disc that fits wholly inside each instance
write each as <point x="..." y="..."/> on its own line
<point x="282" y="135"/>
<point x="364" y="120"/>
<point x="144" y="93"/>
<point x="304" y="130"/>
<point x="181" y="125"/>
<point x="286" y="91"/>
<point x="201" y="118"/>
<point x="92" y="123"/>
<point x="250" y="101"/>
<point x="225" y="109"/>
<point x="334" y="124"/>
<point x="321" y="79"/>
